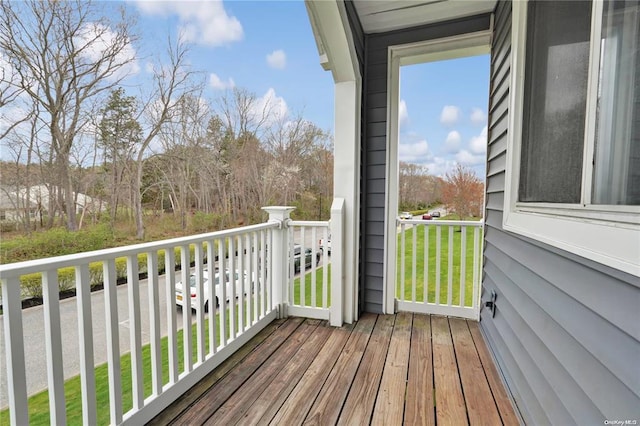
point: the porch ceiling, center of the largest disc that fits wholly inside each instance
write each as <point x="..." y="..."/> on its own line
<point x="380" y="16"/>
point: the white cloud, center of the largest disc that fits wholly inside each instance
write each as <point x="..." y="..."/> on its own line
<point x="416" y="152"/>
<point x="449" y="115"/>
<point x="95" y="38"/>
<point x="478" y="144"/>
<point x="270" y="107"/>
<point x="478" y="116"/>
<point x="452" y="143"/>
<point x="277" y="59"/>
<point x="218" y="84"/>
<point x="201" y="22"/>
<point x="403" y="114"/>
<point x="439" y="166"/>
<point x="467" y="158"/>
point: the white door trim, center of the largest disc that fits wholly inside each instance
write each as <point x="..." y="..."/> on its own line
<point x="471" y="44"/>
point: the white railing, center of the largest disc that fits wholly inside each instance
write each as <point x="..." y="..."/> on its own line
<point x="309" y="270"/>
<point x="436" y="274"/>
<point x="259" y="259"/>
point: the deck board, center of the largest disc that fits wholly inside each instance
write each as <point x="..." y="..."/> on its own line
<point x="330" y="400"/>
<point x="420" y="407"/>
<point x="389" y="408"/>
<point x="358" y="407"/>
<point x="219" y="393"/>
<point x="277" y="392"/>
<point x="481" y="407"/>
<point x="450" y="407"/>
<point x="505" y="409"/>
<point x="295" y="408"/>
<point x="246" y="395"/>
<point x="197" y="392"/>
<point x="385" y="369"/>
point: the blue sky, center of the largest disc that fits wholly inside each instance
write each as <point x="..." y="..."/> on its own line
<point x="268" y="48"/>
<point x="443" y="119"/>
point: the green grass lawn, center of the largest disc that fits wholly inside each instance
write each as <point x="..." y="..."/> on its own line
<point x="308" y="289"/>
<point x="39" y="403"/>
<point x="431" y="264"/>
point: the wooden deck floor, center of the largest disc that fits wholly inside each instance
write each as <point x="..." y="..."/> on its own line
<point x="385" y="369"/>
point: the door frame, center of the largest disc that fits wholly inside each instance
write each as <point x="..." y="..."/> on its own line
<point x="460" y="46"/>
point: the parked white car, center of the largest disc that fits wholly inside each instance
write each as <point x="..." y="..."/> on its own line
<point x="322" y="245"/>
<point x="406" y="215"/>
<point x="232" y="282"/>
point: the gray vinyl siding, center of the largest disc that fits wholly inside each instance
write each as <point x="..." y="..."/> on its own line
<point x="566" y="334"/>
<point x="374" y="144"/>
<point x="633" y="187"/>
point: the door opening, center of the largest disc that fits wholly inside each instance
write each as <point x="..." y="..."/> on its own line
<point x="437" y="130"/>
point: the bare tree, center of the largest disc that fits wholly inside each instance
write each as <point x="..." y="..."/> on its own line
<point x="417" y="188"/>
<point x="64" y="55"/>
<point x="172" y="82"/>
<point x="463" y="192"/>
<point x="292" y="143"/>
<point x="185" y="155"/>
<point x="235" y="131"/>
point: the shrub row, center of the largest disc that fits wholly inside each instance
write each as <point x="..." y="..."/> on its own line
<point x="55" y="242"/>
<point x="31" y="284"/>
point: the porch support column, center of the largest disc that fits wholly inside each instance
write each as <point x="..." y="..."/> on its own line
<point x="346" y="178"/>
<point x="337" y="53"/>
<point x="279" y="256"/>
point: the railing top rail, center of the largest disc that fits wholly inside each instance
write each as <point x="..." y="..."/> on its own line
<point x="477" y="223"/>
<point x="321" y="223"/>
<point x="38" y="265"/>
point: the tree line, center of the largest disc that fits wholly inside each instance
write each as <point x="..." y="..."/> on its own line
<point x="74" y="128"/>
<point x="73" y="123"/>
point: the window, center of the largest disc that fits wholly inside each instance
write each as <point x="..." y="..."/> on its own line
<point x="573" y="170"/>
<point x="616" y="178"/>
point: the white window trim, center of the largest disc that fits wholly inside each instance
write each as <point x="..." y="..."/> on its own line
<point x="606" y="234"/>
<point x="465" y="45"/>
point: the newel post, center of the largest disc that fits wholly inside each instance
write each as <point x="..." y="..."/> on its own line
<point x="279" y="256"/>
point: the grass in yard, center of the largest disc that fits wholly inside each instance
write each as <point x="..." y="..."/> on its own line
<point x="308" y="288"/>
<point x="427" y="264"/>
<point x="39" y="403"/>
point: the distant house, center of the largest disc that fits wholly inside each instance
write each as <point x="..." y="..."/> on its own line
<point x="13" y="207"/>
<point x="14" y="203"/>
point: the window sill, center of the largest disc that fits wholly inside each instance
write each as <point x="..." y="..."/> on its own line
<point x="614" y="244"/>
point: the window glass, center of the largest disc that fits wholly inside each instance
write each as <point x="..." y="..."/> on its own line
<point x="556" y="73"/>
<point x="617" y="147"/>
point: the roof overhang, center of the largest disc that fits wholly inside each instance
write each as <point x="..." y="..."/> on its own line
<point x="333" y="38"/>
<point x="377" y="16"/>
